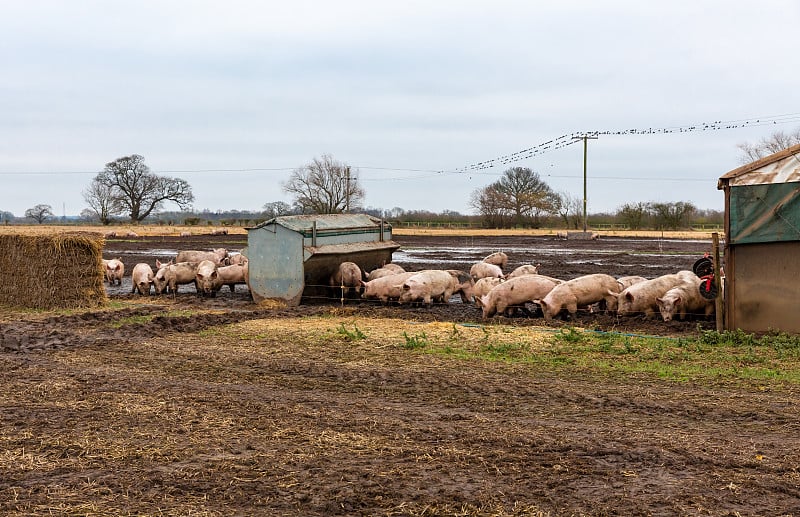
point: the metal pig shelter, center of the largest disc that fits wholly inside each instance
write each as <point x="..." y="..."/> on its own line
<point x="762" y="244"/>
<point x="292" y="257"/>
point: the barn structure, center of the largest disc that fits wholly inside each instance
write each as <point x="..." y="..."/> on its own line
<point x="291" y="257"/>
<point x="762" y="244"/>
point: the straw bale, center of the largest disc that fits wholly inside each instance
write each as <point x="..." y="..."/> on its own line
<point x="54" y="271"/>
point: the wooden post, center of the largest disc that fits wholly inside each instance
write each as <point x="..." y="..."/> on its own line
<point x="719" y="305"/>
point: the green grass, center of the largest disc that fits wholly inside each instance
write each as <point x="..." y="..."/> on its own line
<point x="708" y="357"/>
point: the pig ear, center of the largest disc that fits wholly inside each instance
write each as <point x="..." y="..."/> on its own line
<point x="629" y="296"/>
<point x="678" y="300"/>
<point x="479" y="301"/>
<point x="660" y="302"/>
<point x="363" y="283"/>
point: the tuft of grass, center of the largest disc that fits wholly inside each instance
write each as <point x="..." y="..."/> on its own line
<point x="415" y="342"/>
<point x="350" y="335"/>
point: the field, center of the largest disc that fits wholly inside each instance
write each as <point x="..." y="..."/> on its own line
<point x="190" y="406"/>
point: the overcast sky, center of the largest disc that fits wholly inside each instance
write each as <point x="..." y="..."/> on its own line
<point x="232" y="96"/>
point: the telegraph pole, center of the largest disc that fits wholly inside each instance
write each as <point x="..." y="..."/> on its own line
<point x="585" y="138"/>
<point x="347" y="189"/>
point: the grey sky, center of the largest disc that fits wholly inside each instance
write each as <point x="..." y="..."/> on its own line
<point x="397" y="90"/>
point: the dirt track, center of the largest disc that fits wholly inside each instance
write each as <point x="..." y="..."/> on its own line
<point x="142" y="411"/>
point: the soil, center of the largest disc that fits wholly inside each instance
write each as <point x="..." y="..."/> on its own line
<point x="105" y="415"/>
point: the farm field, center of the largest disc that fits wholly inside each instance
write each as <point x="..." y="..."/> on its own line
<point x="190" y="406"/>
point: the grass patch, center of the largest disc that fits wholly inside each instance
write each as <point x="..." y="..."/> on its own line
<point x="350" y="335"/>
<point x="706" y="357"/>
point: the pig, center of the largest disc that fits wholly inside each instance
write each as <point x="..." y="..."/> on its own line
<point x="484" y="269"/>
<point x="217" y="256"/>
<point x="114" y="269"/>
<point x="385" y="288"/>
<point x="206" y="276"/>
<point x="464" y="284"/>
<point x="525" y="269"/>
<point x="131" y="234"/>
<point x="380" y="272"/>
<point x="230" y="276"/>
<point x="394" y="267"/>
<point x="580" y="292"/>
<point x="235" y="259"/>
<point x="427" y="285"/>
<point x="220" y="231"/>
<point x="498" y="258"/>
<point x="483" y="286"/>
<point x="169" y="276"/>
<point x="142" y="278"/>
<point x="640" y="298"/>
<point x="111" y="235"/>
<point x="347" y="277"/>
<point x="682" y="300"/>
<point x="627" y="281"/>
<point x="246" y="273"/>
<point x="186" y="234"/>
<point x="515" y="292"/>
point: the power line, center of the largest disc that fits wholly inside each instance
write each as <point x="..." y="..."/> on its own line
<point x="571" y="138"/>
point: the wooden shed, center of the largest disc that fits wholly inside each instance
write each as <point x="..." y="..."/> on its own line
<point x="762" y="244"/>
<point x="294" y="256"/>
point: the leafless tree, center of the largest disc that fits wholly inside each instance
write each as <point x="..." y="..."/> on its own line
<point x="570" y="209"/>
<point x="139" y="192"/>
<point x="101" y="200"/>
<point x="39" y="213"/>
<point x="672" y="215"/>
<point x="276" y="209"/>
<point x="519" y="194"/>
<point x="777" y="141"/>
<point x="325" y="186"/>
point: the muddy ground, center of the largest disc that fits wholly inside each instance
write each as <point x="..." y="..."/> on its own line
<point x="134" y="411"/>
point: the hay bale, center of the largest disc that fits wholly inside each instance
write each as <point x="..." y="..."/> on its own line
<point x="55" y="271"/>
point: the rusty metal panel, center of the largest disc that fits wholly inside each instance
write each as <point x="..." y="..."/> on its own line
<point x="780" y="167"/>
<point x="763" y="287"/>
<point x="764" y="213"/>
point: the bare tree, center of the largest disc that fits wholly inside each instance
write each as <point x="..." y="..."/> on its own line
<point x="519" y="193"/>
<point x="139" y="192"/>
<point x="324" y="186"/>
<point x="570" y="209"/>
<point x="39" y="213"/>
<point x="101" y="200"/>
<point x="672" y="215"/>
<point x="276" y="209"/>
<point x="634" y="215"/>
<point x="491" y="206"/>
<point x="777" y="141"/>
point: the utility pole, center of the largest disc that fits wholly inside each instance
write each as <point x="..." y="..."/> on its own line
<point x="347" y="189"/>
<point x="585" y="138"/>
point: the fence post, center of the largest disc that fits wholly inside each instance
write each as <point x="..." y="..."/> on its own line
<point x="719" y="306"/>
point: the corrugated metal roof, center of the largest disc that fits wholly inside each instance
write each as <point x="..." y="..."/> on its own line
<point x="304" y="223"/>
<point x="781" y="167"/>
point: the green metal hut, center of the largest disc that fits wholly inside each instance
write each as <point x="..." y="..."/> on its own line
<point x="292" y="257"/>
<point x="762" y="244"/>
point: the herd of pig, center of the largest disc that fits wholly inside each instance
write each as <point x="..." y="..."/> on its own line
<point x="495" y="292"/>
<point x="486" y="285"/>
<point x="209" y="271"/>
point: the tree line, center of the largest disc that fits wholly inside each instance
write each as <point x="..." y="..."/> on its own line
<point x="126" y="189"/>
